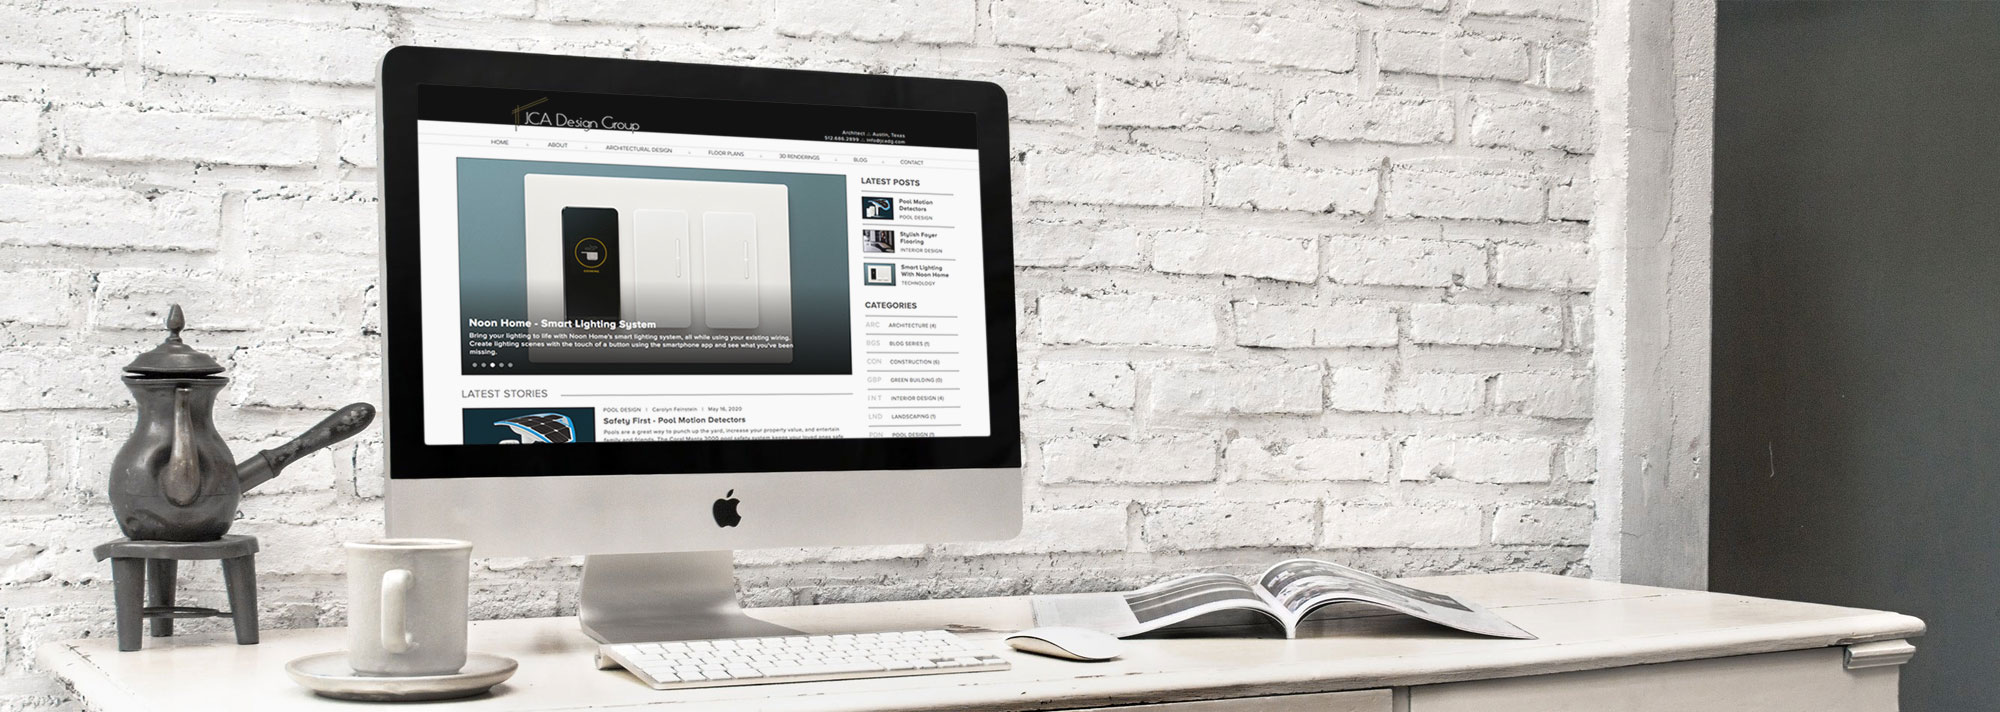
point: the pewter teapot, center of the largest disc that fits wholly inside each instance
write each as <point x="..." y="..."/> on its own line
<point x="174" y="480"/>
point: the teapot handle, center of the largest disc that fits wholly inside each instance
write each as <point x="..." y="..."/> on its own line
<point x="183" y="475"/>
<point x="343" y="424"/>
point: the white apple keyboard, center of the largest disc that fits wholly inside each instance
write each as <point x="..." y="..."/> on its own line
<point x="797" y="658"/>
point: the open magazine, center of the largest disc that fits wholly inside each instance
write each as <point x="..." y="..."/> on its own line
<point x="1285" y="593"/>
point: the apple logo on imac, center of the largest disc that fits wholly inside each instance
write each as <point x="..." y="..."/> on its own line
<point x="725" y="510"/>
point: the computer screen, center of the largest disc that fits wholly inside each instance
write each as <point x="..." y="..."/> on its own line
<point x="605" y="268"/>
<point x="635" y="307"/>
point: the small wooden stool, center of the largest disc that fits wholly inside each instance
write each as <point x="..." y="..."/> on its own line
<point x="151" y="566"/>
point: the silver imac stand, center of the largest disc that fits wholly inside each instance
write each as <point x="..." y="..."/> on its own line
<point x="633" y="598"/>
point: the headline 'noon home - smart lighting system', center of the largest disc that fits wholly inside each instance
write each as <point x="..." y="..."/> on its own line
<point x="652" y="313"/>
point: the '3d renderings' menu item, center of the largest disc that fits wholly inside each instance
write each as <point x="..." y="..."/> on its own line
<point x="663" y="289"/>
<point x="729" y="250"/>
<point x="590" y="263"/>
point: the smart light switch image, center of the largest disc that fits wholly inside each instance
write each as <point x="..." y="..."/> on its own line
<point x="662" y="276"/>
<point x="696" y="258"/>
<point x="729" y="269"/>
<point x="590" y="263"/>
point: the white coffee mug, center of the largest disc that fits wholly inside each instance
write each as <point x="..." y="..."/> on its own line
<point x="406" y="601"/>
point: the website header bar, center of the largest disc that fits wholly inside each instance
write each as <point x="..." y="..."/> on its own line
<point x="614" y="113"/>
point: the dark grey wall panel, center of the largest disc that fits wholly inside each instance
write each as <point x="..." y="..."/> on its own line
<point x="1857" y="321"/>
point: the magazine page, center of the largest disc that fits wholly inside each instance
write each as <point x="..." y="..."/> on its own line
<point x="1165" y="604"/>
<point x="1300" y="585"/>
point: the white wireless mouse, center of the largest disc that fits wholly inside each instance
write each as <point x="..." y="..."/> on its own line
<point x="1067" y="643"/>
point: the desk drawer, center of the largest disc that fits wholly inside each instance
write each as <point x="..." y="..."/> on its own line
<point x="1799" y="681"/>
<point x="1355" y="701"/>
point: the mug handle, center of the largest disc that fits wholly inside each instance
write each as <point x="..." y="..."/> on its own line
<point x="395" y="595"/>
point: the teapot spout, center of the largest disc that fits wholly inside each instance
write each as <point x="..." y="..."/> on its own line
<point x="343" y="424"/>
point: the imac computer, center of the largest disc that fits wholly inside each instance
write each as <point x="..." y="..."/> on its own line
<point x="651" y="313"/>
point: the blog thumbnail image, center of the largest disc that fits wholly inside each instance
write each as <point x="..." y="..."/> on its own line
<point x="530" y="426"/>
<point x="878" y="208"/>
<point x="570" y="268"/>
<point x="878" y="242"/>
<point x="878" y="274"/>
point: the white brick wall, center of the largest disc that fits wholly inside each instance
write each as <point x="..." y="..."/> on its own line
<point x="1115" y="179"/>
<point x="1066" y="385"/>
<point x="1178" y="103"/>
<point x="1554" y="9"/>
<point x="1094" y="25"/>
<point x="1296" y="278"/>
<point x="1528" y="524"/>
<point x="61" y="36"/>
<point x="1230" y="525"/>
<point x="1339" y="116"/>
<point x="1453" y="55"/>
<point x="1282" y="42"/>
<point x="1341" y="458"/>
<point x="1477" y="459"/>
<point x="1404" y="262"/>
<point x="1486" y="325"/>
<point x="44" y="297"/>
<point x="1273" y="187"/>
<point x="1291" y="259"/>
<point x="1128" y="319"/>
<point x="1558" y="267"/>
<point x="1068" y="244"/>
<point x="1527" y="124"/>
<point x="22" y="132"/>
<point x="112" y="218"/>
<point x="1359" y="390"/>
<point x="1237" y="389"/>
<point x="24" y="471"/>
<point x="1434" y="189"/>
<point x="1545" y="395"/>
<point x="1154" y="458"/>
<point x="925" y="21"/>
<point x="1304" y="325"/>
<point x="1428" y="526"/>
<point x="337" y="50"/>
<point x="646" y="12"/>
<point x="119" y="134"/>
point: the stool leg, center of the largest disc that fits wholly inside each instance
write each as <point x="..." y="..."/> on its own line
<point x="128" y="582"/>
<point x="160" y="579"/>
<point x="239" y="575"/>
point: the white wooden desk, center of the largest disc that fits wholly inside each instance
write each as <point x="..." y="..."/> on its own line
<point x="1603" y="647"/>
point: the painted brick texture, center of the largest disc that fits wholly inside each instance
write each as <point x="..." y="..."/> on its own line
<point x="1295" y="278"/>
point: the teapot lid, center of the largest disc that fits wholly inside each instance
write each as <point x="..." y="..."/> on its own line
<point x="172" y="358"/>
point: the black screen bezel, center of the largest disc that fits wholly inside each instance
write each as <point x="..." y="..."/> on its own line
<point x="404" y="69"/>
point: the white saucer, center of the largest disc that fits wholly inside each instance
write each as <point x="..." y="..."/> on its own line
<point x="328" y="675"/>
